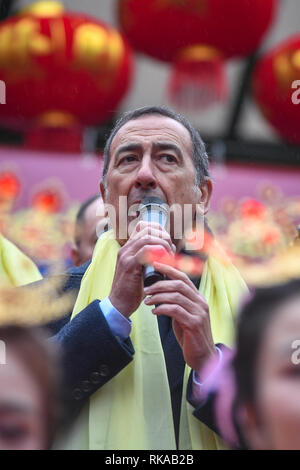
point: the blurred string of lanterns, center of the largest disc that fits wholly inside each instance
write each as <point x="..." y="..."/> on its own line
<point x="196" y="37"/>
<point x="62" y="71"/>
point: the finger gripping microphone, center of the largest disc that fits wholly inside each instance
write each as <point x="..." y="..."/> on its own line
<point x="153" y="209"/>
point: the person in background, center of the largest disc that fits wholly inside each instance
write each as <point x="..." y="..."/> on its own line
<point x="255" y="394"/>
<point x="29" y="389"/>
<point x="16" y="269"/>
<point x="90" y="222"/>
<point x="268" y="348"/>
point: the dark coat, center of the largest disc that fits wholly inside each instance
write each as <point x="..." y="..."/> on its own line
<point x="92" y="355"/>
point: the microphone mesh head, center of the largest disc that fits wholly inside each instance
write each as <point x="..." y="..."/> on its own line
<point x="153" y="209"/>
<point x="146" y="201"/>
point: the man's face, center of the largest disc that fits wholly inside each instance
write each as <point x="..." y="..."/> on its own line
<point x="152" y="156"/>
<point x="86" y="232"/>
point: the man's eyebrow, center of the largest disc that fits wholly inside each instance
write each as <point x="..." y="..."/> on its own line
<point x="168" y="146"/>
<point x="137" y="146"/>
<point x="133" y="146"/>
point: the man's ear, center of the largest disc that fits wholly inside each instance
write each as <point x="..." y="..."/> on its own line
<point x="205" y="188"/>
<point x="75" y="256"/>
<point x="102" y="191"/>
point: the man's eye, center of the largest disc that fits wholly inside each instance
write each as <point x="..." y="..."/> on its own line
<point x="128" y="159"/>
<point x="168" y="158"/>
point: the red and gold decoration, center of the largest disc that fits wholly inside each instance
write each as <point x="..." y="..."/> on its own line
<point x="62" y="70"/>
<point x="275" y="88"/>
<point x="44" y="230"/>
<point x="10" y="189"/>
<point x="48" y="201"/>
<point x="196" y="36"/>
<point x="10" y="186"/>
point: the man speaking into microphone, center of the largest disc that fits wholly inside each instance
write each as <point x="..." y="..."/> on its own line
<point x="131" y="348"/>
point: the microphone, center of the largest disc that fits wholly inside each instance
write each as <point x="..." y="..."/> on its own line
<point x="153" y="209"/>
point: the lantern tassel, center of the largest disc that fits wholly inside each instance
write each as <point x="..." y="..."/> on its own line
<point x="198" y="78"/>
<point x="55" y="131"/>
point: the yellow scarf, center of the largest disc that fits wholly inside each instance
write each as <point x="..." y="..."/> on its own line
<point x="133" y="410"/>
<point x="16" y="269"/>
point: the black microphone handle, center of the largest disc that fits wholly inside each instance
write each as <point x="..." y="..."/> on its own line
<point x="151" y="276"/>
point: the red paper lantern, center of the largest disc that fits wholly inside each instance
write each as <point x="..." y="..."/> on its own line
<point x="192" y="32"/>
<point x="276" y="88"/>
<point x="61" y="69"/>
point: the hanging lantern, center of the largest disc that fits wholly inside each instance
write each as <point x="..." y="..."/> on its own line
<point x="276" y="88"/>
<point x="196" y="36"/>
<point x="62" y="70"/>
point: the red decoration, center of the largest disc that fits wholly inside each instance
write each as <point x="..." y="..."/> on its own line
<point x="276" y="90"/>
<point x="189" y="32"/>
<point x="10" y="185"/>
<point x="198" y="78"/>
<point x="191" y="265"/>
<point x="47" y="200"/>
<point x="272" y="236"/>
<point x="251" y="208"/>
<point x="61" y="69"/>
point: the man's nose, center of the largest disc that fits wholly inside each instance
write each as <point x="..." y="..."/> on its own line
<point x="145" y="178"/>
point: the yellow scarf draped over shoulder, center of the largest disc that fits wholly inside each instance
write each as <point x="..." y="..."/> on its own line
<point x="133" y="410"/>
<point x="16" y="269"/>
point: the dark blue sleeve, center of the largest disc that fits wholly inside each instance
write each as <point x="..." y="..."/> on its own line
<point x="204" y="411"/>
<point x="91" y="355"/>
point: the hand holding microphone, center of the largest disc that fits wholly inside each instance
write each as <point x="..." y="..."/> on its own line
<point x="128" y="284"/>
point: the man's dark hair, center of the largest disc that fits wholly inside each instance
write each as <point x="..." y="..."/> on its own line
<point x="200" y="157"/>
